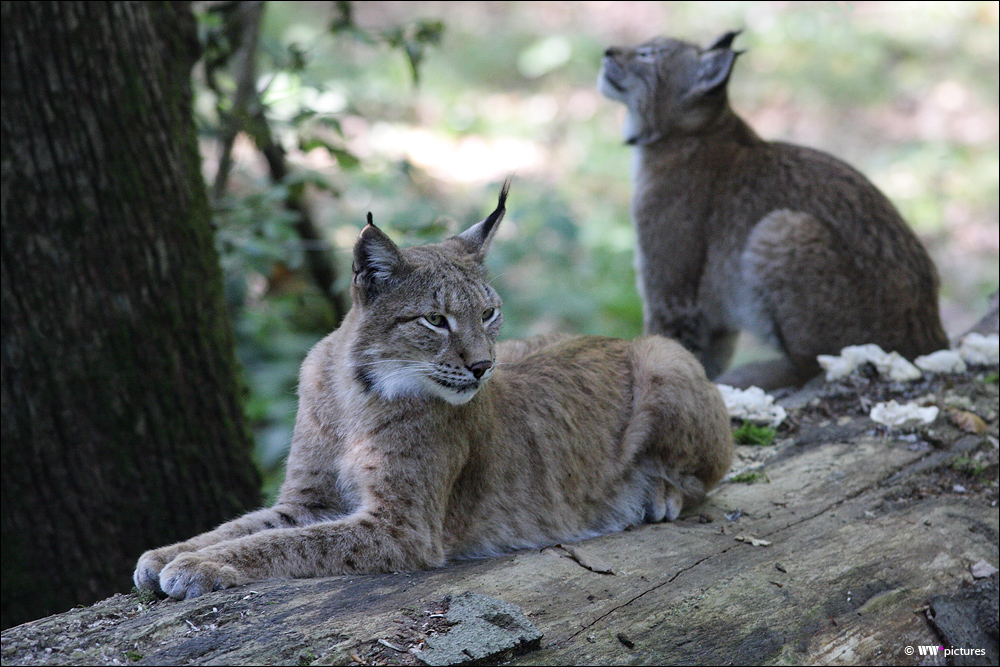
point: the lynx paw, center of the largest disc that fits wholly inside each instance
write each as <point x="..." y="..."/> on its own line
<point x="190" y="575"/>
<point x="673" y="503"/>
<point x="151" y="563"/>
<point x="665" y="502"/>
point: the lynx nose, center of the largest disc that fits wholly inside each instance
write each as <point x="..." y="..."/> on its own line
<point x="480" y="367"/>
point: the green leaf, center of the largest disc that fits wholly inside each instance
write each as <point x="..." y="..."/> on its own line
<point x="429" y="32"/>
<point x="331" y="123"/>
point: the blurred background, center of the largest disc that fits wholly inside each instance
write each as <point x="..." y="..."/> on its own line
<point x="417" y="111"/>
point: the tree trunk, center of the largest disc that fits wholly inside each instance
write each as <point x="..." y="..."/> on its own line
<point x="122" y="426"/>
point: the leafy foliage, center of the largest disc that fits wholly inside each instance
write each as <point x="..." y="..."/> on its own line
<point x="508" y="89"/>
<point x="412" y="39"/>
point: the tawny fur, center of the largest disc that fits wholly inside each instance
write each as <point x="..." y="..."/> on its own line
<point x="734" y="232"/>
<point x="419" y="439"/>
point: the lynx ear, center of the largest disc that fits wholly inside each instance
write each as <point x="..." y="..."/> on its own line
<point x="714" y="68"/>
<point x="477" y="237"/>
<point x="377" y="262"/>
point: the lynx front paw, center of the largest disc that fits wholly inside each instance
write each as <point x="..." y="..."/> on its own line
<point x="190" y="575"/>
<point x="151" y="563"/>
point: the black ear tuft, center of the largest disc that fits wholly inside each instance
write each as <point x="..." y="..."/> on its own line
<point x="377" y="262"/>
<point x="725" y="41"/>
<point x="477" y="238"/>
<point x="503" y="192"/>
<point x="494" y="218"/>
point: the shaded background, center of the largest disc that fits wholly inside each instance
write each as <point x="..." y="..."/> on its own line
<point x="906" y="92"/>
<point x="311" y="114"/>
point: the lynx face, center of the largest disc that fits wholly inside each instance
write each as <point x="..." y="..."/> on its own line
<point x="429" y="318"/>
<point x="668" y="86"/>
<point x="430" y="333"/>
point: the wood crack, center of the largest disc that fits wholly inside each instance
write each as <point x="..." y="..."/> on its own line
<point x="883" y="481"/>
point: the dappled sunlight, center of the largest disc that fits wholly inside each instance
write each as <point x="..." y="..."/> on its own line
<point x="467" y="159"/>
<point x="906" y="93"/>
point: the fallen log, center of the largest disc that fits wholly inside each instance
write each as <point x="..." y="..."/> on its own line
<point x="833" y="545"/>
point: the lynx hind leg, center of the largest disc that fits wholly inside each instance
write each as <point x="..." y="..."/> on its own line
<point x="680" y="425"/>
<point x="800" y="294"/>
<point x="769" y="374"/>
<point x="687" y="324"/>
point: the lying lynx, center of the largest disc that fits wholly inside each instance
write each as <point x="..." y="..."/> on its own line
<point x="404" y="456"/>
<point x="735" y="232"/>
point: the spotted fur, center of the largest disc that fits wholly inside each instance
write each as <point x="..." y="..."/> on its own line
<point x="419" y="439"/>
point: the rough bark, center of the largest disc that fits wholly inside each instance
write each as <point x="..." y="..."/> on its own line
<point x="852" y="538"/>
<point x="122" y="428"/>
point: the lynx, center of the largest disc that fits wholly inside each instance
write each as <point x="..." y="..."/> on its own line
<point x="734" y="232"/>
<point x="419" y="439"/>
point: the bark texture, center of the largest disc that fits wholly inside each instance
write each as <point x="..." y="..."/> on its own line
<point x="122" y="428"/>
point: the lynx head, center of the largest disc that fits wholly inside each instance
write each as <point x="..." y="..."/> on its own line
<point x="669" y="87"/>
<point x="428" y="319"/>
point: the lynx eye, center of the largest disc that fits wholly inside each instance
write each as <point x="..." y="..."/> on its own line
<point x="436" y="320"/>
<point x="647" y="55"/>
<point x="489" y="314"/>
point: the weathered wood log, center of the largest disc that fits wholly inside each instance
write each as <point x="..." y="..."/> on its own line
<point x="833" y="555"/>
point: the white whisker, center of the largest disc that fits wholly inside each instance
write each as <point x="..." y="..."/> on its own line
<point x="408" y="363"/>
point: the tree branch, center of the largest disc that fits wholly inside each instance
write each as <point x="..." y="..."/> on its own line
<point x="247" y="115"/>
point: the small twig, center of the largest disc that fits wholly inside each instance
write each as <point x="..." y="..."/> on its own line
<point x="394" y="648"/>
<point x="249" y="15"/>
<point x="248" y="110"/>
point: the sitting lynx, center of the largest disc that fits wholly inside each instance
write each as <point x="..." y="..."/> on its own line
<point x="734" y="232"/>
<point x="404" y="455"/>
